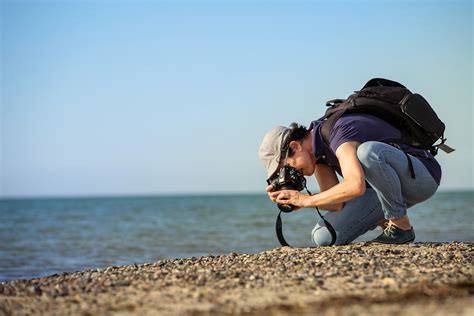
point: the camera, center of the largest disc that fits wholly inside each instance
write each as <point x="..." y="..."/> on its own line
<point x="287" y="179"/>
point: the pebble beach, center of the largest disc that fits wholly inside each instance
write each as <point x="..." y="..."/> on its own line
<point x="361" y="278"/>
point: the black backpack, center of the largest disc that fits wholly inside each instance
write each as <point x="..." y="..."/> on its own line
<point x="389" y="100"/>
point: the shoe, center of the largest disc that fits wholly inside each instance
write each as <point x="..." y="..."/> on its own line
<point x="394" y="235"/>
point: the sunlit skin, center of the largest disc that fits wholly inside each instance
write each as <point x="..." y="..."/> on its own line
<point x="333" y="193"/>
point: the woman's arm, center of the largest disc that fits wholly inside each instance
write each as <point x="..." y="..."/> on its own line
<point x="327" y="178"/>
<point x="352" y="186"/>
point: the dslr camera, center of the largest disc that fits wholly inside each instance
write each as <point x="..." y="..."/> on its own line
<point x="287" y="179"/>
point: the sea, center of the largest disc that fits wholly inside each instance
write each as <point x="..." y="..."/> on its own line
<point x="41" y="237"/>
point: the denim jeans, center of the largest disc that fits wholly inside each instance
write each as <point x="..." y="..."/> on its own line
<point x="393" y="191"/>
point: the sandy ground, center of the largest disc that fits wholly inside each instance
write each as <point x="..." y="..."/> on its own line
<point x="358" y="279"/>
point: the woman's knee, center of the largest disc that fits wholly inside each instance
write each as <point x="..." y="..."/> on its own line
<point x="322" y="236"/>
<point x="366" y="150"/>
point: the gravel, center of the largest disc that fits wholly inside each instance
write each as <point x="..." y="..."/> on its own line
<point x="361" y="278"/>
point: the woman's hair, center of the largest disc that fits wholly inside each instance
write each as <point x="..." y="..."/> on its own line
<point x="297" y="133"/>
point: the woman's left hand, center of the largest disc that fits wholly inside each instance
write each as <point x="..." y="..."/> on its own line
<point x="290" y="197"/>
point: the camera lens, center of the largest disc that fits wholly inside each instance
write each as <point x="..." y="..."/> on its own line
<point x="285" y="207"/>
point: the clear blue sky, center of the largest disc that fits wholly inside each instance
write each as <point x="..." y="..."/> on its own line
<point x="130" y="97"/>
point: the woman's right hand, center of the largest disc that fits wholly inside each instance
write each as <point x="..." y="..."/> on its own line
<point x="269" y="190"/>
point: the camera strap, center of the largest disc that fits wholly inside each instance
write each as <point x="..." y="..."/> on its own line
<point x="328" y="225"/>
<point x="279" y="227"/>
<point x="331" y="229"/>
<point x="279" y="231"/>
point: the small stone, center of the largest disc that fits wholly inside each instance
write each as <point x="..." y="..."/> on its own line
<point x="34" y="289"/>
<point x="7" y="290"/>
<point x="389" y="282"/>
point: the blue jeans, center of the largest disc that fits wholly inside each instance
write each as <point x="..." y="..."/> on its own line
<point x="393" y="191"/>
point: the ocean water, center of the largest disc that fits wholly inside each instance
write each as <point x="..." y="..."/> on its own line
<point x="40" y="237"/>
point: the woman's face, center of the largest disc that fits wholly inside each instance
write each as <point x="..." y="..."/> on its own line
<point x="303" y="159"/>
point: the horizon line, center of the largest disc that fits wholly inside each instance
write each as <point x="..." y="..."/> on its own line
<point x="163" y="194"/>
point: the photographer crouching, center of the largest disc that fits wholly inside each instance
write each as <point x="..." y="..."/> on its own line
<point x="357" y="151"/>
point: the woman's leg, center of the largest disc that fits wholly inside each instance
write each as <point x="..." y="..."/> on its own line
<point x="358" y="216"/>
<point x="387" y="170"/>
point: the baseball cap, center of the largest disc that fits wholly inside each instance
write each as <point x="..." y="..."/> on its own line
<point x="270" y="151"/>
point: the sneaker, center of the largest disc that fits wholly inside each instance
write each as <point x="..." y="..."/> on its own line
<point x="394" y="235"/>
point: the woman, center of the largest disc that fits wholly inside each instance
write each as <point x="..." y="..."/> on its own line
<point x="378" y="184"/>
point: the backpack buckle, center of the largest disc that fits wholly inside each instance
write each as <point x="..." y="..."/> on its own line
<point x="334" y="103"/>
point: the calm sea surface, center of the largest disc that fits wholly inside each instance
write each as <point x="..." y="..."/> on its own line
<point x="41" y="237"/>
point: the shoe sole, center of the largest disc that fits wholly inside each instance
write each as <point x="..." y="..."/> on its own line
<point x="392" y="243"/>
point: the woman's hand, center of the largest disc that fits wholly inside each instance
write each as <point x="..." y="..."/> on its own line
<point x="289" y="197"/>
<point x="269" y="190"/>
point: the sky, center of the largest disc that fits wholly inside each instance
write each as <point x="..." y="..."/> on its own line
<point x="154" y="97"/>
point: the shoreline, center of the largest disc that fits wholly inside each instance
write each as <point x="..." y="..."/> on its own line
<point x="422" y="278"/>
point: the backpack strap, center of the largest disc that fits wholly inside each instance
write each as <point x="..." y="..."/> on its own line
<point x="444" y="147"/>
<point x="410" y="166"/>
<point x="336" y="108"/>
<point x="328" y="124"/>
